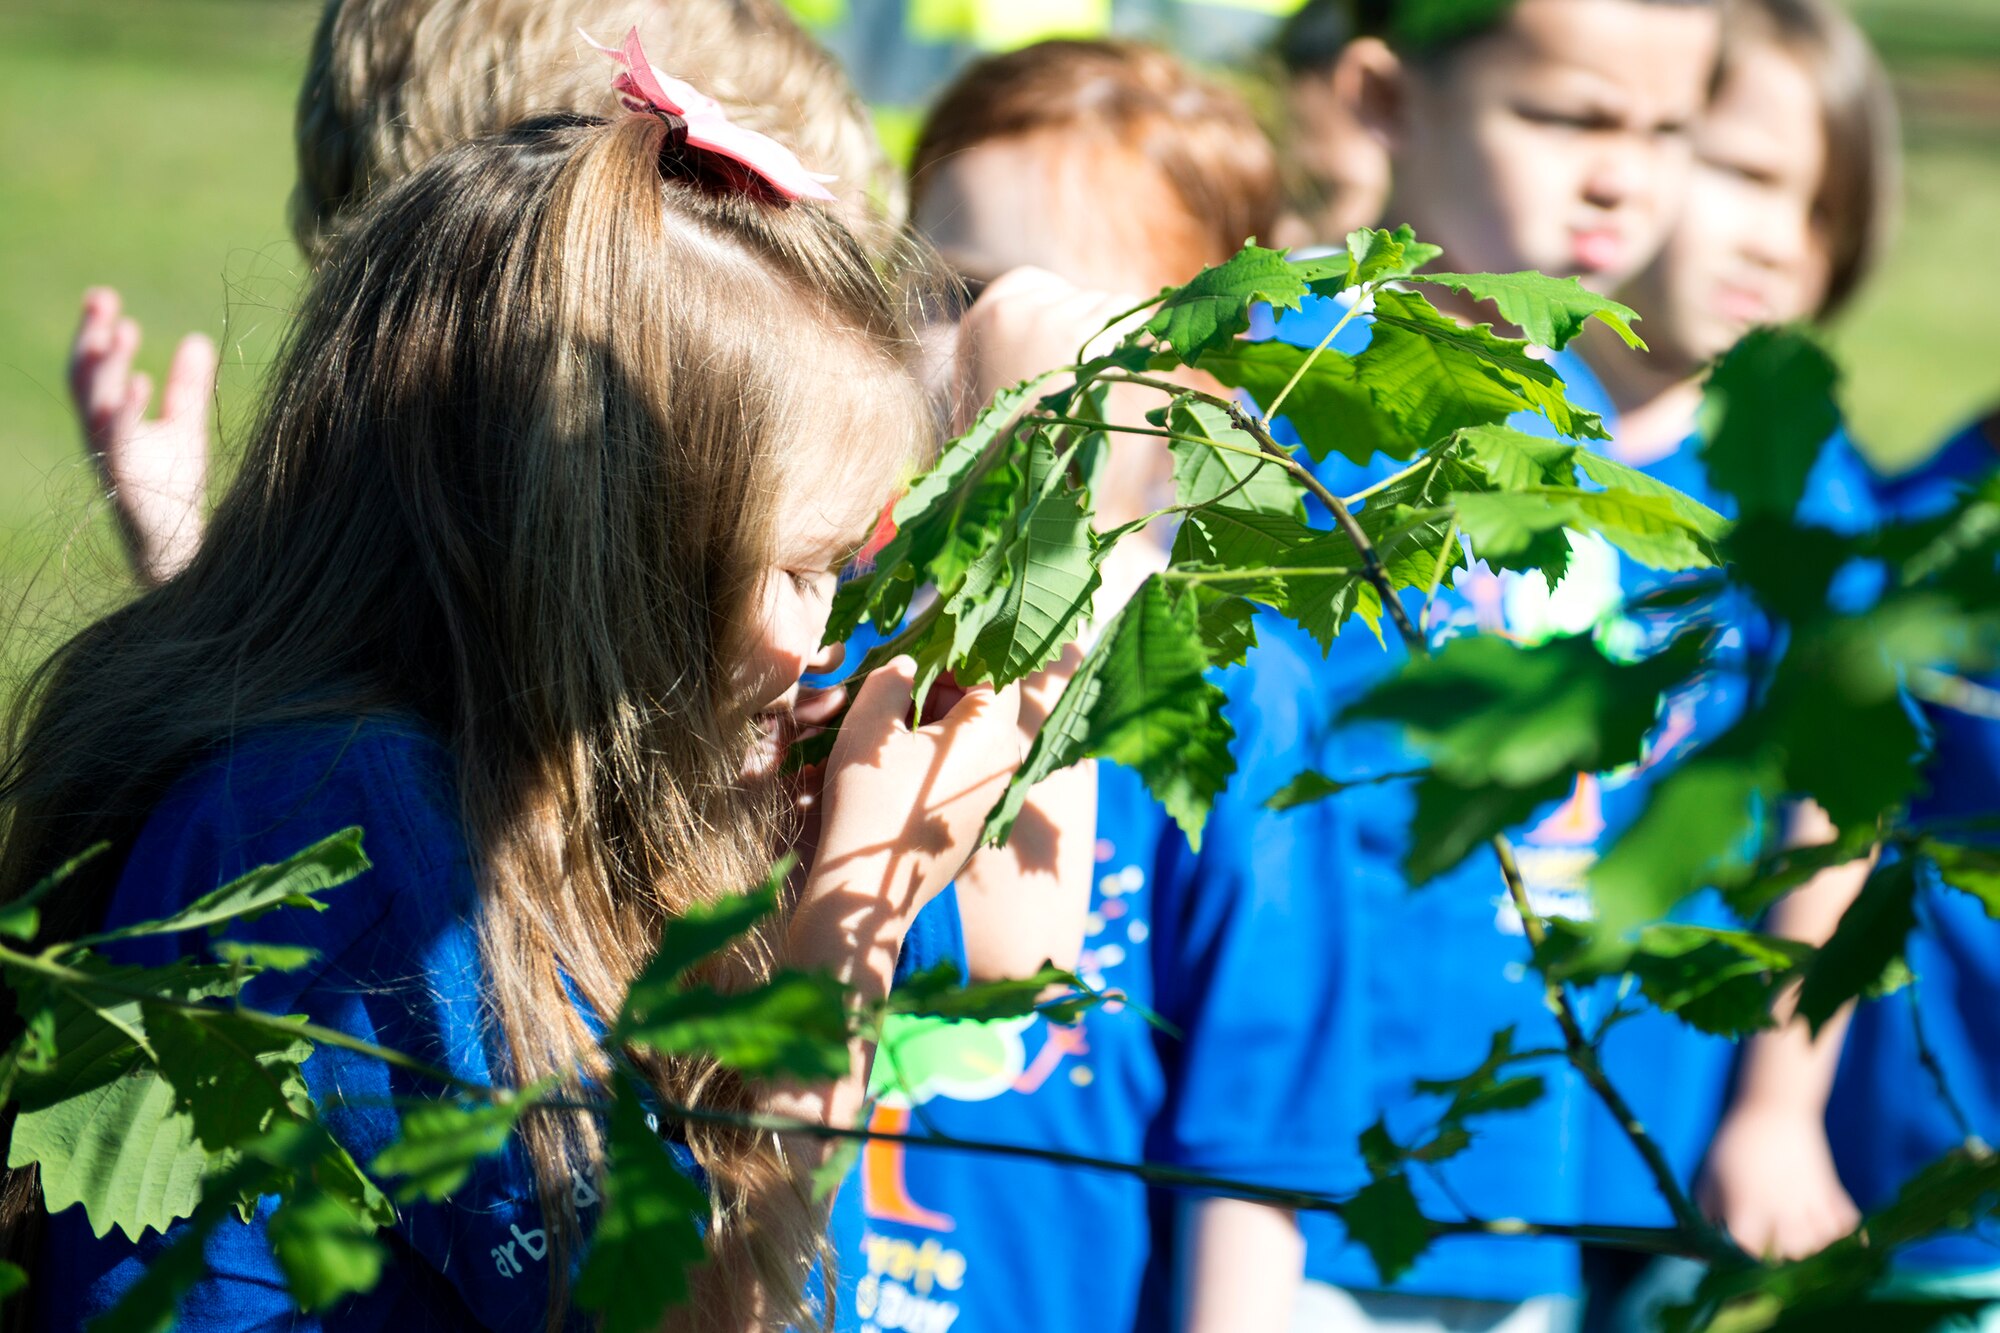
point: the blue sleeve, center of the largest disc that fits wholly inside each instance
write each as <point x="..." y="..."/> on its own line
<point x="1245" y="945"/>
<point x="399" y="966"/>
<point x="936" y="936"/>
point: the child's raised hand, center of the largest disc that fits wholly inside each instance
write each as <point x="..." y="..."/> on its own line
<point x="900" y="809"/>
<point x="1771" y="1181"/>
<point x="155" y="470"/>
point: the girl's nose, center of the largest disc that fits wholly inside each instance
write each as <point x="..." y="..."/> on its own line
<point x="827" y="659"/>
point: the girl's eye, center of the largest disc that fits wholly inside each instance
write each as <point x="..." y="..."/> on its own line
<point x="815" y="583"/>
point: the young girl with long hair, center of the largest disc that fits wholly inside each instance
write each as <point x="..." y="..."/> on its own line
<point x="534" y="538"/>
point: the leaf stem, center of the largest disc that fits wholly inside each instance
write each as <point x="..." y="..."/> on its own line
<point x="1654" y="1240"/>
<point x="313" y="1032"/>
<point x="1709" y="1242"/>
<point x="1431" y="459"/>
<point x="1360" y="295"/>
<point x="1371" y="562"/>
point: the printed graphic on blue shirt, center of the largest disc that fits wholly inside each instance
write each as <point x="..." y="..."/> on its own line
<point x="968" y="1242"/>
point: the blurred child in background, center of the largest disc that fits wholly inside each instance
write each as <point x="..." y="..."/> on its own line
<point x="1109" y="167"/>
<point x="1337" y="173"/>
<point x="389" y="84"/>
<point x="1792" y="197"/>
<point x="1553" y="135"/>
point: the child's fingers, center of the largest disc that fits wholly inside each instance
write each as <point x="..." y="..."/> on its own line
<point x="111" y="385"/>
<point x="981" y="707"/>
<point x="190" y="378"/>
<point x="125" y="418"/>
<point x="883" y="702"/>
<point x="817" y="707"/>
<point x="93" y="335"/>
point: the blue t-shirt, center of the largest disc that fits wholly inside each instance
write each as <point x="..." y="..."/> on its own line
<point x="1227" y="947"/>
<point x="1434" y="1007"/>
<point x="399" y="966"/>
<point x="1885" y="1119"/>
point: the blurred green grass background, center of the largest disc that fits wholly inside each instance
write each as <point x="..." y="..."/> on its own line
<point x="148" y="145"/>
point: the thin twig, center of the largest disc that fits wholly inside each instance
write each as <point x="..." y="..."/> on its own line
<point x="1709" y="1242"/>
<point x="1371" y="561"/>
<point x="1271" y="409"/>
<point x="313" y="1032"/>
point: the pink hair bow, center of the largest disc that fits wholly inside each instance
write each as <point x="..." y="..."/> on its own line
<point x="642" y="86"/>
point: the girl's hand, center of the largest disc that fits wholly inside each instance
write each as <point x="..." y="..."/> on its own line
<point x="155" y="471"/>
<point x="900" y="810"/>
<point x="1771" y="1181"/>
<point x="1028" y="901"/>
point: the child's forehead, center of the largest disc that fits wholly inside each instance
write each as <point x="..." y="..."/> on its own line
<point x="1623" y="44"/>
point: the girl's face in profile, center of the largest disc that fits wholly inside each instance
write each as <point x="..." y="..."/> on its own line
<point x="822" y="523"/>
<point x="1750" y="247"/>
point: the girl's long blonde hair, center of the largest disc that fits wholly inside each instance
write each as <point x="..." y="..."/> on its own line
<point x="517" y="475"/>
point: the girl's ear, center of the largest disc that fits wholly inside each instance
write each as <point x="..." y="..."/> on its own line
<point x="1373" y="82"/>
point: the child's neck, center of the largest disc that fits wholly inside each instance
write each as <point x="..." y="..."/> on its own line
<point x="1656" y="398"/>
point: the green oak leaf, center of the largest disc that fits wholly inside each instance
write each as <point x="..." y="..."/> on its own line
<point x="233" y="1077"/>
<point x="324" y="1248"/>
<point x="1486" y="710"/>
<point x="293" y="882"/>
<point x="1376" y="255"/>
<point x="1451" y="822"/>
<point x="1789" y="568"/>
<point x="1833" y="711"/>
<point x="703" y="930"/>
<point x="106" y="1130"/>
<point x="1721" y="982"/>
<point x="1973" y="870"/>
<point x="441" y="1142"/>
<point x="1383" y="1216"/>
<point x="795" y="1023"/>
<point x="1866" y="944"/>
<point x="1699" y="827"/>
<point x="1235" y="474"/>
<point x="264" y="956"/>
<point x="1551" y="311"/>
<point x="1311" y="785"/>
<point x="942" y="521"/>
<point x="1139" y="698"/>
<point x="1488" y="1089"/>
<point x="1330" y="407"/>
<point x="20" y="919"/>
<point x="1215" y="306"/>
<point x="1438" y="376"/>
<point x="1228" y="626"/>
<point x="937" y="993"/>
<point x="1514" y="460"/>
<point x="1717" y="981"/>
<point x="1616" y="476"/>
<point x="323" y="1231"/>
<point x="649" y="1233"/>
<point x="1025" y="599"/>
<point x="1767" y="408"/>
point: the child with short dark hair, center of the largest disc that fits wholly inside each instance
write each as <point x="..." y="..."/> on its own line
<point x="1541" y="134"/>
